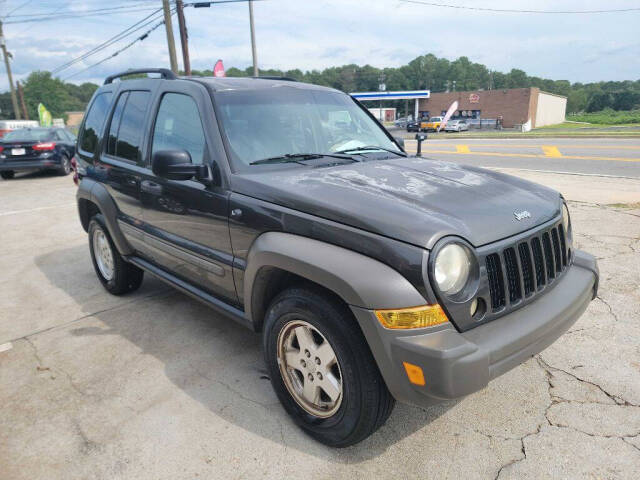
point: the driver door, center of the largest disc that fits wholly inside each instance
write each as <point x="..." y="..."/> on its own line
<point x="185" y="221"/>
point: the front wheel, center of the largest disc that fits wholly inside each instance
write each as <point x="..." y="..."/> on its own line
<point x="7" y="174"/>
<point x="321" y="368"/>
<point x="115" y="274"/>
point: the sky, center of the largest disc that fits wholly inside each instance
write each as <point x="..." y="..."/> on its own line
<point x="323" y="33"/>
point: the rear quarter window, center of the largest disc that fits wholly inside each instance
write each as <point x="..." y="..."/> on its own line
<point x="90" y="134"/>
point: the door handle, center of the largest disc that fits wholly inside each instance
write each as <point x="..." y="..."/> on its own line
<point x="150" y="187"/>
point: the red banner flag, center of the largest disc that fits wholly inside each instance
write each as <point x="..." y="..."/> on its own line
<point x="218" y="69"/>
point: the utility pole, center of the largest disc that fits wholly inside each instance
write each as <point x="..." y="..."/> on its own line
<point x="184" y="37"/>
<point x="14" y="99"/>
<point x="170" y="43"/>
<point x="253" y="40"/>
<point x="25" y="114"/>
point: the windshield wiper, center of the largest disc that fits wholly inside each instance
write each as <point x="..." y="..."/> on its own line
<point x="373" y="147"/>
<point x="296" y="157"/>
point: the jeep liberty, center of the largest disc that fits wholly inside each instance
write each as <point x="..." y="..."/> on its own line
<point x="373" y="276"/>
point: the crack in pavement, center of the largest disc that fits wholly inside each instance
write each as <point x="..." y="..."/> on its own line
<point x="619" y="401"/>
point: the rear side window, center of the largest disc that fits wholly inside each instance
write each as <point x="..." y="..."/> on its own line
<point x="115" y="124"/>
<point x="178" y="127"/>
<point x="94" y="121"/>
<point x="127" y="126"/>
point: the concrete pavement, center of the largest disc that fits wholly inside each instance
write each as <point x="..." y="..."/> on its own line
<point x="154" y="385"/>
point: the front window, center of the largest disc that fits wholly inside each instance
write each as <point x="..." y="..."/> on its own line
<point x="289" y="120"/>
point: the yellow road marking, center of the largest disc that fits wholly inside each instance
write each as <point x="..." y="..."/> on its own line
<point x="512" y="145"/>
<point x="551" y="151"/>
<point x="529" y="155"/>
<point x="462" y="149"/>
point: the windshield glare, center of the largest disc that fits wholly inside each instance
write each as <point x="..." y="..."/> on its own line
<point x="28" y="135"/>
<point x="287" y="120"/>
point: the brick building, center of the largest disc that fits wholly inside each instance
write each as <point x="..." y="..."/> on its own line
<point x="517" y="106"/>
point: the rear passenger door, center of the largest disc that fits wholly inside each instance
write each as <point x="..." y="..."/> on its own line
<point x="122" y="157"/>
<point x="185" y="221"/>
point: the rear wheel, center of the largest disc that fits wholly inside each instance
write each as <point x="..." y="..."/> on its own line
<point x="115" y="274"/>
<point x="8" y="174"/>
<point x="65" y="166"/>
<point x="322" y="369"/>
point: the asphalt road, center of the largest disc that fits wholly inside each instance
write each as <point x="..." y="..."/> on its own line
<point x="594" y="156"/>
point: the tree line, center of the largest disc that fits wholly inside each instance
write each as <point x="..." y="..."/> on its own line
<point x="423" y="72"/>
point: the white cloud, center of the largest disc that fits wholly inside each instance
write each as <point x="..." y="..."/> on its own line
<point x="322" y="33"/>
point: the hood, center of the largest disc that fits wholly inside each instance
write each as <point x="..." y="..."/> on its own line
<point x="415" y="200"/>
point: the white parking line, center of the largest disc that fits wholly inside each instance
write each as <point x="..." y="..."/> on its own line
<point x="37" y="209"/>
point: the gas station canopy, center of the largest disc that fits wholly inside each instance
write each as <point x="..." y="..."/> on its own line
<point x="405" y="95"/>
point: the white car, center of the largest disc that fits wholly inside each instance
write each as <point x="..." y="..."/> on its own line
<point x="456" y="126"/>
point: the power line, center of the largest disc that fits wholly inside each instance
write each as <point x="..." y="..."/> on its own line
<point x="78" y="12"/>
<point x="117" y="52"/>
<point x="107" y="43"/>
<point x="17" y="8"/>
<point x="66" y="16"/>
<point x="510" y="10"/>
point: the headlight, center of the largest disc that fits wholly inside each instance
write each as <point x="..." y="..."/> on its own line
<point x="565" y="219"/>
<point x="452" y="267"/>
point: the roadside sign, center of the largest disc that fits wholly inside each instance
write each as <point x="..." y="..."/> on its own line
<point x="474" y="98"/>
<point x="452" y="108"/>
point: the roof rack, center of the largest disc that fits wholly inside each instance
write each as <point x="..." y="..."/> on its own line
<point x="164" y="73"/>
<point x="275" y="77"/>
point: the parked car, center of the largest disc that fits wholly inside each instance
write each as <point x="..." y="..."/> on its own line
<point x="401" y="122"/>
<point x="36" y="149"/>
<point x="10" y="125"/>
<point x="413" y="126"/>
<point x="431" y="124"/>
<point x="372" y="276"/>
<point x="456" y="126"/>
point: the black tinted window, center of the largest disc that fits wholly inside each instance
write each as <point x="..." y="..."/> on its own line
<point x="93" y="122"/>
<point x="178" y="127"/>
<point x="131" y="126"/>
<point x="115" y="124"/>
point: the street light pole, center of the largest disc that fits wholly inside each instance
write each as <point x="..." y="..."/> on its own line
<point x="184" y="37"/>
<point x="170" y="42"/>
<point x="14" y="99"/>
<point x="253" y="40"/>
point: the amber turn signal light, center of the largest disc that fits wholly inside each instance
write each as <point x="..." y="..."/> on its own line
<point x="414" y="317"/>
<point x="415" y="374"/>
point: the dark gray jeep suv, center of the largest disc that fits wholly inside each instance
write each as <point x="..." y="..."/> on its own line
<point x="373" y="276"/>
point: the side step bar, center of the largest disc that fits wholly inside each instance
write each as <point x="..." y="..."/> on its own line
<point x="195" y="292"/>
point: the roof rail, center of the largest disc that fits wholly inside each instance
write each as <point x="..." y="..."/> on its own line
<point x="164" y="73"/>
<point x="275" y="77"/>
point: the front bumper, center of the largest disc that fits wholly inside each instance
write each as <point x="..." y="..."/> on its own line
<point x="30" y="163"/>
<point x="457" y="364"/>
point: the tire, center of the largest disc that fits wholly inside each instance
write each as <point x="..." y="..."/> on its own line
<point x="65" y="166"/>
<point x="116" y="275"/>
<point x="7" y="174"/>
<point x="363" y="404"/>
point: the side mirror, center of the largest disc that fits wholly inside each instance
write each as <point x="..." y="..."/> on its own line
<point x="176" y="165"/>
<point x="400" y="142"/>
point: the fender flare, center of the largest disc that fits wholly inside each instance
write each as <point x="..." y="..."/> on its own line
<point x="96" y="193"/>
<point x="357" y="279"/>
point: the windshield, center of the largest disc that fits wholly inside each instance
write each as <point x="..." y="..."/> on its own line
<point x="435" y="119"/>
<point x="279" y="121"/>
<point x="28" y="135"/>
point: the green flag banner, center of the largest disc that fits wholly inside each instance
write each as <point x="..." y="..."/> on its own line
<point x="45" y="116"/>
